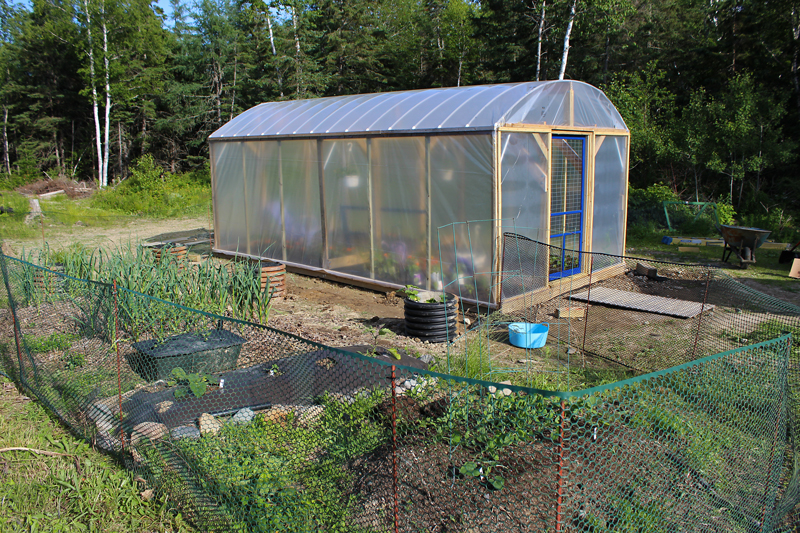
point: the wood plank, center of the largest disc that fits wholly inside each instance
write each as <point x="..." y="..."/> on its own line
<point x="557" y="288"/>
<point x="570" y="312"/>
<point x="643" y="302"/>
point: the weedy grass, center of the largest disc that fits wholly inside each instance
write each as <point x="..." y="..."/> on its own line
<point x="81" y="491"/>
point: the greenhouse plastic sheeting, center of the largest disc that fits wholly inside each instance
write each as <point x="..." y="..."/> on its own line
<point x="461" y="189"/>
<point x="384" y="200"/>
<point x="347" y="201"/>
<point x="478" y="108"/>
<point x="229" y="186"/>
<point x="611" y="182"/>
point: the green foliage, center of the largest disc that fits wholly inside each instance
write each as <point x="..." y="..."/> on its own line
<point x="211" y="287"/>
<point x="648" y="107"/>
<point x="84" y="491"/>
<point x="48" y="343"/>
<point x="487" y="424"/>
<point x="73" y="360"/>
<point x="154" y="192"/>
<point x="272" y="485"/>
<point x="196" y="383"/>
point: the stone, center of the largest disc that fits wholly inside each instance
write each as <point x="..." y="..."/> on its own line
<point x="492" y="389"/>
<point x="339" y="397"/>
<point x="163" y="407"/>
<point x="276" y="414"/>
<point x="571" y="351"/>
<point x="399" y="390"/>
<point x="185" y="432"/>
<point x="507" y="392"/>
<point x="427" y="358"/>
<point x="467" y="321"/>
<point x="311" y="415"/>
<point x="107" y="442"/>
<point x="409" y="384"/>
<point x="644" y="269"/>
<point x="243" y="416"/>
<point x="209" y="425"/>
<point x="102" y="416"/>
<point x="148" y="430"/>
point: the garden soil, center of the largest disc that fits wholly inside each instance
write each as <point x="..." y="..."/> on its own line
<point x="316" y="309"/>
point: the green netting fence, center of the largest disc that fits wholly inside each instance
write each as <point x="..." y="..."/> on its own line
<point x="247" y="428"/>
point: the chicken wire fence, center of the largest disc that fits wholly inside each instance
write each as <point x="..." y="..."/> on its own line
<point x="247" y="428"/>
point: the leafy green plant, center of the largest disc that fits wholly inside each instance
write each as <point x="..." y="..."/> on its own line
<point x="196" y="383"/>
<point x="73" y="360"/>
<point x="486" y="425"/>
<point x="483" y="471"/>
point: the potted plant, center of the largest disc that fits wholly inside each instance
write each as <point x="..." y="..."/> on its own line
<point x="429" y="316"/>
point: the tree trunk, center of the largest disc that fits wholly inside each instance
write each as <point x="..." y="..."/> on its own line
<point x="233" y="96"/>
<point x="120" y="176"/>
<point x="274" y="52"/>
<point x="6" y="157"/>
<point x="608" y="52"/>
<point x="570" y="22"/>
<point x="60" y="172"/>
<point x="108" y="95"/>
<point x="95" y="110"/>
<point x="796" y="47"/>
<point x="298" y="66"/>
<point x="539" y="43"/>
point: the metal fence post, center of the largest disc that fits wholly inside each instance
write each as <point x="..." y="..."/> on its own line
<point x="394" y="453"/>
<point x="586" y="318"/>
<point x="119" y="366"/>
<point x="702" y="308"/>
<point x="16" y="339"/>
<point x="560" y="501"/>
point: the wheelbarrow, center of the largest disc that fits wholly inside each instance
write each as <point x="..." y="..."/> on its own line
<point x="743" y="242"/>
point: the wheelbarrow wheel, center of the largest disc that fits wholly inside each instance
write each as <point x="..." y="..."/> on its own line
<point x="747" y="255"/>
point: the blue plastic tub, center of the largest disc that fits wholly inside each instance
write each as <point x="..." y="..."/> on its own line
<point x="527" y="335"/>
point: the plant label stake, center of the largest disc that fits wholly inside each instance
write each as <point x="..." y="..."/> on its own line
<point x="394" y="452"/>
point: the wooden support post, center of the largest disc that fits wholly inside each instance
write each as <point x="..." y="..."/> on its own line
<point x="428" y="216"/>
<point x="283" y="210"/>
<point x="244" y="191"/>
<point x="323" y="220"/>
<point x="369" y="210"/>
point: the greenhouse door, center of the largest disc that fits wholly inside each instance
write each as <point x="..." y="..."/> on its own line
<point x="566" y="205"/>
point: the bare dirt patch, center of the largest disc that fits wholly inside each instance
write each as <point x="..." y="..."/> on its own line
<point x="132" y="231"/>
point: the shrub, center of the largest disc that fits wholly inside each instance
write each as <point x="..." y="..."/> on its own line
<point x="153" y="191"/>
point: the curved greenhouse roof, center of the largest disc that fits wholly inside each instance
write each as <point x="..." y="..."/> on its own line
<point x="478" y="108"/>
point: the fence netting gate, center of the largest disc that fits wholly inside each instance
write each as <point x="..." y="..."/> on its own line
<point x="247" y="428"/>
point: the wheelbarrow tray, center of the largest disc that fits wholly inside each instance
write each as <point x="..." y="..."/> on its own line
<point x="743" y="241"/>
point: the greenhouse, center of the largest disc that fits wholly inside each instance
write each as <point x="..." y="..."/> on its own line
<point x="418" y="187"/>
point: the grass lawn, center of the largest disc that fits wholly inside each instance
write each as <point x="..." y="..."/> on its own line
<point x="76" y="489"/>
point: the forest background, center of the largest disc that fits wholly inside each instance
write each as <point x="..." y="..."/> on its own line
<point x="709" y="90"/>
